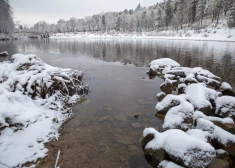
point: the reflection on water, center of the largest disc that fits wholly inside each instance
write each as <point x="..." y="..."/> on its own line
<point x="104" y="131"/>
<point x="218" y="57"/>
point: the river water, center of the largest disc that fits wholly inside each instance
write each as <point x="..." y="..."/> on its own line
<point x="104" y="131"/>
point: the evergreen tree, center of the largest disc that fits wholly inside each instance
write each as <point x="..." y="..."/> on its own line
<point x="159" y="18"/>
<point x="143" y="21"/>
<point x="201" y="10"/>
<point x="118" y="24"/>
<point x="217" y="9"/>
<point x="192" y="11"/>
<point x="103" y="23"/>
<point x="231" y="22"/>
<point x="168" y="12"/>
<point x="179" y="12"/>
<point x="138" y="7"/>
<point x="6" y="17"/>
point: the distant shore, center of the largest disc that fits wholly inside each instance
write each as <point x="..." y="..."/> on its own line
<point x="207" y="34"/>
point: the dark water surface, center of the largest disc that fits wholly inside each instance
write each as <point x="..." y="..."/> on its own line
<point x="104" y="131"/>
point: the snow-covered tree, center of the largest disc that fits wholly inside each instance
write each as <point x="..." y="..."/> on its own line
<point x="103" y="23"/>
<point x="192" y="11"/>
<point x="231" y="22"/>
<point x="168" y="12"/>
<point x="201" y="10"/>
<point x="6" y="17"/>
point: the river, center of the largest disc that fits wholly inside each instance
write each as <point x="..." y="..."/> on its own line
<point x="104" y="131"/>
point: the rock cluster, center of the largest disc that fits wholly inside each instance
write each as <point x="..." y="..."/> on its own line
<point x="202" y="112"/>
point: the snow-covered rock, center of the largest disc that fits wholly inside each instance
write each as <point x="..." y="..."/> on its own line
<point x="168" y="102"/>
<point x="225" y="106"/>
<point x="201" y="97"/>
<point x="225" y="86"/>
<point x="180" y="117"/>
<point x="168" y="164"/>
<point x="182" y="148"/>
<point x="35" y="100"/>
<point x="199" y="114"/>
<point x="168" y="86"/>
<point x="200" y="109"/>
<point x="162" y="62"/>
<point x="226" y="89"/>
<point x="4" y="54"/>
<point x="160" y="96"/>
<point x="220" y="137"/>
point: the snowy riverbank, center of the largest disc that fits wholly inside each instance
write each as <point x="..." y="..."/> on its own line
<point x="198" y="112"/>
<point x="35" y="100"/>
<point x="209" y="33"/>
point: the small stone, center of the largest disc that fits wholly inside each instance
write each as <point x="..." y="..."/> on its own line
<point x="136" y="115"/>
<point x="136" y="125"/>
<point x="109" y="118"/>
<point x="123" y="141"/>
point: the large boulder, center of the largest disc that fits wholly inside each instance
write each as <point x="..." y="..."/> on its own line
<point x="179" y="117"/>
<point x="201" y="97"/>
<point x="220" y="137"/>
<point x="180" y="147"/>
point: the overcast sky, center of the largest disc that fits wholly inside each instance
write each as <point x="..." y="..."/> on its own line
<point x="31" y="11"/>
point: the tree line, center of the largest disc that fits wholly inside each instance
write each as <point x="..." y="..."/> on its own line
<point x="6" y="17"/>
<point x="169" y="14"/>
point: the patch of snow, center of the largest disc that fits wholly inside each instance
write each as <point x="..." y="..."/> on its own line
<point x="216" y="132"/>
<point x="168" y="164"/>
<point x="200" y="96"/>
<point x="199" y="134"/>
<point x="168" y="100"/>
<point x="29" y="119"/>
<point x="162" y="62"/>
<point x="177" y="115"/>
<point x="225" y="86"/>
<point x="226" y="106"/>
<point x="199" y="114"/>
<point x="221" y="151"/>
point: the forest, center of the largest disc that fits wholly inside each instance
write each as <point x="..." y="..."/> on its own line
<point x="167" y="15"/>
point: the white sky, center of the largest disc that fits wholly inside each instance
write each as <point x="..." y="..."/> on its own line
<point x="31" y="11"/>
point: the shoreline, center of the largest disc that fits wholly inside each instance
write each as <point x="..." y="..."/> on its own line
<point x="148" y="38"/>
<point x="207" y="34"/>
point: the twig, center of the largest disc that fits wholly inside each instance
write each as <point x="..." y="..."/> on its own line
<point x="57" y="159"/>
<point x="4" y="164"/>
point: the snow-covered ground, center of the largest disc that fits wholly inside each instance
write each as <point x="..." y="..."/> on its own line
<point x="35" y="100"/>
<point x="219" y="32"/>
